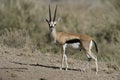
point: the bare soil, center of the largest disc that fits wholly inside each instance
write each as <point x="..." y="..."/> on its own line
<point x="20" y="64"/>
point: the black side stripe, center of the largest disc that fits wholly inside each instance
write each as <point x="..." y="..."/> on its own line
<point x="73" y="41"/>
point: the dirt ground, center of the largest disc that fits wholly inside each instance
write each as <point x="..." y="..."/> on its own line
<point x="16" y="64"/>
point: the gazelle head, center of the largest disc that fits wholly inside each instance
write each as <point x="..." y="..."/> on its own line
<point x="52" y="22"/>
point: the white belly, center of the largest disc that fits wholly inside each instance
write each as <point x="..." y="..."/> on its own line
<point x="74" y="45"/>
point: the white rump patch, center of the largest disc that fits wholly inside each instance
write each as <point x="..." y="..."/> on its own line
<point x="90" y="45"/>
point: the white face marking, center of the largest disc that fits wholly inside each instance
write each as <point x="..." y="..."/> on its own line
<point x="52" y="23"/>
<point x="52" y="26"/>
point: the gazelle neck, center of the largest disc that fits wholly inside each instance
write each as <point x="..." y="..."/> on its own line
<point x="53" y="34"/>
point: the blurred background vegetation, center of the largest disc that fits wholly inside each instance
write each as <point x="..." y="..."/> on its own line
<point x="22" y="25"/>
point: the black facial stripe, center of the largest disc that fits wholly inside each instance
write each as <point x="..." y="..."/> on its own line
<point x="73" y="41"/>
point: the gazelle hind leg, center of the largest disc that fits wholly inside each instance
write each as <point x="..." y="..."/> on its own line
<point x="87" y="52"/>
<point x="95" y="58"/>
<point x="85" y="66"/>
<point x="92" y="55"/>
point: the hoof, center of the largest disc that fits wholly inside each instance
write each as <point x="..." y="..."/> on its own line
<point x="66" y="69"/>
<point x="60" y="68"/>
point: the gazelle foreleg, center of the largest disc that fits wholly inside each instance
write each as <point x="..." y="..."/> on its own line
<point x="62" y="60"/>
<point x="64" y="57"/>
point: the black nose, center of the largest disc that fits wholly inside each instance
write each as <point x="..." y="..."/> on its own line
<point x="51" y="26"/>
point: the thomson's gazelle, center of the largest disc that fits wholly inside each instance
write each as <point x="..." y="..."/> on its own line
<point x="65" y="39"/>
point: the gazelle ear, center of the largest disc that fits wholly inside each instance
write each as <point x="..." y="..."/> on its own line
<point x="47" y="20"/>
<point x="58" y="19"/>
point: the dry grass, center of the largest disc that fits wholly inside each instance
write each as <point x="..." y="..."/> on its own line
<point x="15" y="38"/>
